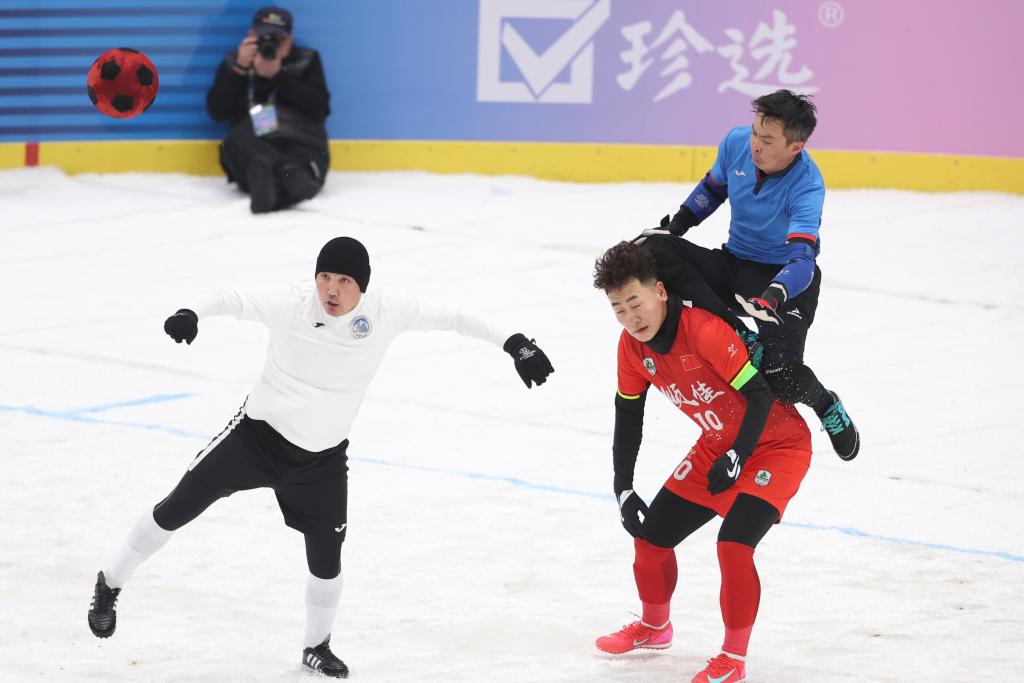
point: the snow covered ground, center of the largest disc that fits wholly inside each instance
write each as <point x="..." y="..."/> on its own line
<point x="484" y="544"/>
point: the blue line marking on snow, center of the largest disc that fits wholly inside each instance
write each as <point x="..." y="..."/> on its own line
<point x="906" y="541"/>
<point x="157" y="398"/>
<point x="77" y="416"/>
<point x="514" y="481"/>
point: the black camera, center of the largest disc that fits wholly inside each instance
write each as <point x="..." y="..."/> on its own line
<point x="266" y="45"/>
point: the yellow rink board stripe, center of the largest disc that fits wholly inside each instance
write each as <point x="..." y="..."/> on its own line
<point x="576" y="162"/>
<point x="927" y="172"/>
<point x="12" y="155"/>
<point x="197" y="157"/>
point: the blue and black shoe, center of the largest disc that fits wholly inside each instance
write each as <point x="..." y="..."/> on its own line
<point x="841" y="430"/>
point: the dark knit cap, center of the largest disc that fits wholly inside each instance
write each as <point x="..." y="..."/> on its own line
<point x="345" y="256"/>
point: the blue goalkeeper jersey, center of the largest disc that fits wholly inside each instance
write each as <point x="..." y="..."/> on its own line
<point x="767" y="211"/>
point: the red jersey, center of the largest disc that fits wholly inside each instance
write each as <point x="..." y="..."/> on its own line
<point x="702" y="374"/>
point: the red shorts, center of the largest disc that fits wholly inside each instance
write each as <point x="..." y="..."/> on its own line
<point x="773" y="475"/>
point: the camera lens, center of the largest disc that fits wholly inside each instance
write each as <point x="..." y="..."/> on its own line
<point x="267" y="46"/>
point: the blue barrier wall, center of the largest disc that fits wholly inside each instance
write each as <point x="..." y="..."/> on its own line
<point x="46" y="49"/>
<point x="898" y="77"/>
<point x="375" y="55"/>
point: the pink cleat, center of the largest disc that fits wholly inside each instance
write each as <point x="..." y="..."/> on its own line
<point x="636" y="636"/>
<point x="723" y="669"/>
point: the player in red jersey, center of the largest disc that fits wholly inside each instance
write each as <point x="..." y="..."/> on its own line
<point x="747" y="463"/>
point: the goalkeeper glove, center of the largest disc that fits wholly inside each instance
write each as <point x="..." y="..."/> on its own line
<point x="766" y="306"/>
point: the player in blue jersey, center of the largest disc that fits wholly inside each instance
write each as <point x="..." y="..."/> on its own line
<point x="767" y="268"/>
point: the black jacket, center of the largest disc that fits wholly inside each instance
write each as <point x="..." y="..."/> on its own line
<point x="302" y="98"/>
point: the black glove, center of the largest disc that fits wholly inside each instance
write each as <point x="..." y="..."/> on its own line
<point x="531" y="363"/>
<point x="676" y="226"/>
<point x="183" y="326"/>
<point x="681" y="222"/>
<point x="765" y="307"/>
<point x="724" y="472"/>
<point x="631" y="506"/>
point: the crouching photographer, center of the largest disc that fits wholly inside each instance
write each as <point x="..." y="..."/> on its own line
<point x="273" y="94"/>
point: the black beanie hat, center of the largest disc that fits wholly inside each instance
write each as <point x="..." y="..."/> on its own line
<point x="345" y="256"/>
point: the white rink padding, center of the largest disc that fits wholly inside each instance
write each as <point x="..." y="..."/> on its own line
<point x="483" y="541"/>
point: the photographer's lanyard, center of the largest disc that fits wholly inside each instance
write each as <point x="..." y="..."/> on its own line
<point x="264" y="116"/>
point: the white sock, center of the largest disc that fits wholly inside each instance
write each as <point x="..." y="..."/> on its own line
<point x="322" y="597"/>
<point x="145" y="538"/>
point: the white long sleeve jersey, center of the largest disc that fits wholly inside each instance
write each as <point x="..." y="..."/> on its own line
<point x="319" y="366"/>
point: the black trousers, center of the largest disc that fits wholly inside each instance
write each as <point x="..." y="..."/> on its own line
<point x="711" y="278"/>
<point x="311" y="488"/>
<point x="299" y="170"/>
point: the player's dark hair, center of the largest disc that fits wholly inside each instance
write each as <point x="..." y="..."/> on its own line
<point x="795" y="112"/>
<point x="622" y="263"/>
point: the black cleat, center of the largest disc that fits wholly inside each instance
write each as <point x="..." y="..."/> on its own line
<point x="841" y="430"/>
<point x="102" y="616"/>
<point x="321" y="660"/>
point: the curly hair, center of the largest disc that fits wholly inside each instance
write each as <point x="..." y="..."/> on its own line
<point x="622" y="263"/>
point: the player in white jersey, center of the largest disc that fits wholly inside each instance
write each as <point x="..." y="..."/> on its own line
<point x="291" y="434"/>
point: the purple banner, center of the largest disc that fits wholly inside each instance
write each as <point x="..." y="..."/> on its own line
<point x="894" y="76"/>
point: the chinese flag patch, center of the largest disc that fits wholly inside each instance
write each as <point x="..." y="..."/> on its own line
<point x="690" y="362"/>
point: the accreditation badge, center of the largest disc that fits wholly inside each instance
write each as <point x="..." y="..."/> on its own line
<point x="264" y="119"/>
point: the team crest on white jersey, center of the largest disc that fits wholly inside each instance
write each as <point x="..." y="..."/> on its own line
<point x="649" y="364"/>
<point x="763" y="477"/>
<point x="361" y="327"/>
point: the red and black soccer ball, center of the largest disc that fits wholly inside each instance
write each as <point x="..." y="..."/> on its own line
<point x="122" y="83"/>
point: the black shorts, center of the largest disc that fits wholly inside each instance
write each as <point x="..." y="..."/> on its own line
<point x="698" y="274"/>
<point x="311" y="488"/>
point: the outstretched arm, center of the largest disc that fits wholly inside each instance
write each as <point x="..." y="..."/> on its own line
<point x="531" y="363"/>
<point x="710" y="193"/>
<point x="702" y="202"/>
<point x="259" y="305"/>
